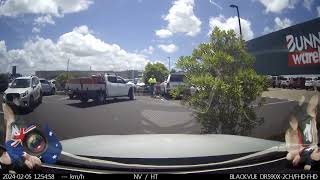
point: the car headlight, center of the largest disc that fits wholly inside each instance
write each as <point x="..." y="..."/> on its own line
<point x="24" y="94"/>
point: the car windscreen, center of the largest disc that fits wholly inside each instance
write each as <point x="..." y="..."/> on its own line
<point x="177" y="78"/>
<point x="20" y="83"/>
<point x="44" y="82"/>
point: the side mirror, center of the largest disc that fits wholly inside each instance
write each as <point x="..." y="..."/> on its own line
<point x="9" y="84"/>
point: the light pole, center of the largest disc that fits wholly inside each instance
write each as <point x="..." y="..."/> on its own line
<point x="169" y="63"/>
<point x="235" y="6"/>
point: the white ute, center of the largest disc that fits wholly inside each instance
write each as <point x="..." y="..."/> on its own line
<point x="99" y="87"/>
<point x="24" y="92"/>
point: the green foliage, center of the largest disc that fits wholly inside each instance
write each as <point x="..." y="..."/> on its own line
<point x="226" y="84"/>
<point x="61" y="80"/>
<point x="158" y="70"/>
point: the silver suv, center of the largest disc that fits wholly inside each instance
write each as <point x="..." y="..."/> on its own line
<point x="24" y="92"/>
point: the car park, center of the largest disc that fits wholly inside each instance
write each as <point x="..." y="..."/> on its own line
<point x="140" y="85"/>
<point x="298" y="82"/>
<point x="317" y="83"/>
<point x="24" y="92"/>
<point x="99" y="87"/>
<point x="276" y="81"/>
<point x="310" y="82"/>
<point x="285" y="82"/>
<point x="173" y="80"/>
<point x="48" y="88"/>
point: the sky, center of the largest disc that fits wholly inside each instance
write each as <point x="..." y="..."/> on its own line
<point x="127" y="34"/>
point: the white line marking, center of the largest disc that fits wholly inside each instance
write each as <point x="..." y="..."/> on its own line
<point x="281" y="102"/>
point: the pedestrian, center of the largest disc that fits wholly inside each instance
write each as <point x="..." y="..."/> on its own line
<point x="152" y="81"/>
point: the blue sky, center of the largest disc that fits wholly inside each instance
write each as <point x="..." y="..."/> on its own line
<point x="122" y="34"/>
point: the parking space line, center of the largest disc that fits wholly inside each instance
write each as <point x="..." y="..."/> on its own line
<point x="281" y="102"/>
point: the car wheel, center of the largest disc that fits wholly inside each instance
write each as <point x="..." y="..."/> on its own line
<point x="71" y="96"/>
<point x="84" y="98"/>
<point x="101" y="98"/>
<point x="131" y="94"/>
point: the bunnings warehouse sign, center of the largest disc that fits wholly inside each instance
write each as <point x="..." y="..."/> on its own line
<point x="303" y="50"/>
<point x="294" y="50"/>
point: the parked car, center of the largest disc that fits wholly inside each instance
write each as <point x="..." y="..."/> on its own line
<point x="299" y="82"/>
<point x="173" y="80"/>
<point x="48" y="88"/>
<point x="317" y="83"/>
<point x="276" y="81"/>
<point x="310" y="82"/>
<point x="24" y="92"/>
<point x="285" y="82"/>
<point x="99" y="87"/>
<point x="140" y="85"/>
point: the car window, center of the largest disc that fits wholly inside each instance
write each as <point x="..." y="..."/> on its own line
<point x="112" y="79"/>
<point x="20" y="83"/>
<point x="120" y="80"/>
<point x="44" y="82"/>
<point x="176" y="78"/>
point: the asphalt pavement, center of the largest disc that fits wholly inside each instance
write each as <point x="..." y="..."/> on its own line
<point x="144" y="115"/>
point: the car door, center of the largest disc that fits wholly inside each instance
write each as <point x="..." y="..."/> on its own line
<point x="112" y="86"/>
<point x="123" y="87"/>
<point x="38" y="87"/>
<point x="34" y="88"/>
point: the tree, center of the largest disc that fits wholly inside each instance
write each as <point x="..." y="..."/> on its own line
<point x="226" y="84"/>
<point x="62" y="78"/>
<point x="158" y="70"/>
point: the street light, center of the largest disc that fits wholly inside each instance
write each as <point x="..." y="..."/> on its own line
<point x="169" y="63"/>
<point x="235" y="6"/>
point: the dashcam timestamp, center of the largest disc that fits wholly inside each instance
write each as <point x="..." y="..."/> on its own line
<point x="11" y="176"/>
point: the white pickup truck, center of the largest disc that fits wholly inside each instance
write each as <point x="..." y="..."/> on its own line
<point x="99" y="87"/>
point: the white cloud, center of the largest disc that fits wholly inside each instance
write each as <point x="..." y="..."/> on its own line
<point x="80" y="46"/>
<point x="14" y="8"/>
<point x="46" y="9"/>
<point x="163" y="33"/>
<point x="267" y="30"/>
<point x="148" y="50"/>
<point x="318" y="9"/>
<point x="36" y="29"/>
<point x="170" y="48"/>
<point x="277" y="6"/>
<point x="42" y="20"/>
<point x="308" y="4"/>
<point x="281" y="24"/>
<point x="278" y="25"/>
<point x="181" y="19"/>
<point x="232" y="23"/>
